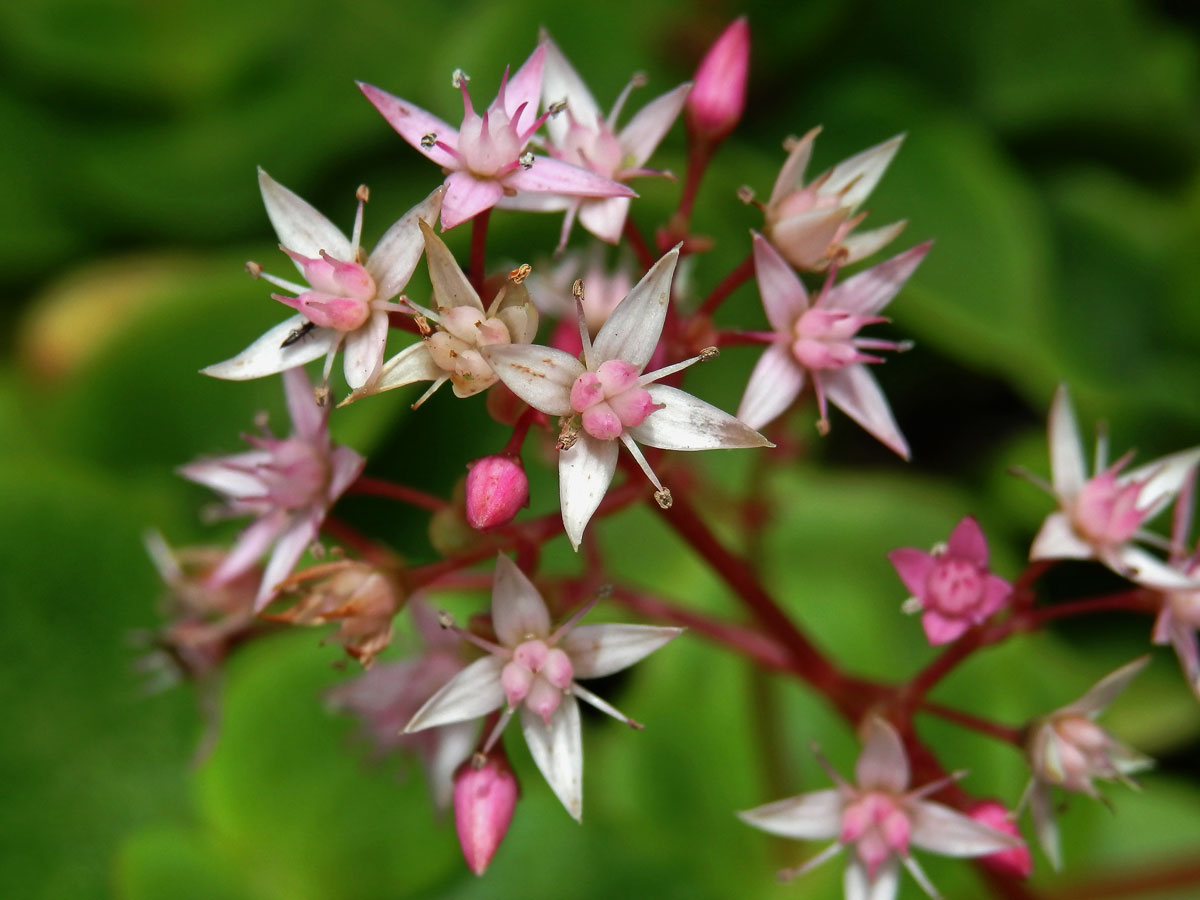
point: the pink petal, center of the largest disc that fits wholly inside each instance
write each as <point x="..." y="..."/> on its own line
<point x="688" y="423"/>
<point x="268" y="356"/>
<point x="518" y="612"/>
<point x="412" y="123"/>
<point x="1139" y="566"/>
<point x="557" y="749"/>
<point x="290" y="546"/>
<point x="600" y="650"/>
<point x="467" y="196"/>
<point x="541" y="376"/>
<point x="967" y="542"/>
<point x="1183" y="639"/>
<point x="1067" y="466"/>
<point x="870" y="291"/>
<point x="345" y="467"/>
<point x="809" y="817"/>
<point x="859" y="174"/>
<point x="561" y="82"/>
<point x="883" y="764"/>
<point x="642" y="135"/>
<point x="604" y="217"/>
<point x="364" y="349"/>
<point x="912" y="565"/>
<point x="1041" y="808"/>
<point x="940" y="829"/>
<point x="584" y="474"/>
<point x="473" y="692"/>
<point x="395" y="257"/>
<point x="525" y="89"/>
<point x="942" y="630"/>
<point x="791" y="176"/>
<point x="774" y="385"/>
<point x="298" y="224"/>
<point x="632" y="330"/>
<point x="251" y="544"/>
<point x="996" y="595"/>
<point x="553" y="176"/>
<point x="227" y="474"/>
<point x="861" y="244"/>
<point x="308" y="419"/>
<point x="783" y="295"/>
<point x="854" y="391"/>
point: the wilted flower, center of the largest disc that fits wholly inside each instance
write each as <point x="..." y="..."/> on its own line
<point x="485" y="796"/>
<point x="533" y="668"/>
<point x="715" y="104"/>
<point x="485" y="159"/>
<point x="1068" y="749"/>
<point x="287" y="484"/>
<point x="878" y="818"/>
<point x="497" y="487"/>
<point x="819" y="339"/>
<point x="951" y="586"/>
<point x="1015" y="861"/>
<point x="452" y="351"/>
<point x="1100" y="517"/>
<point x="347" y="301"/>
<point x="812" y="224"/>
<point x="606" y="398"/>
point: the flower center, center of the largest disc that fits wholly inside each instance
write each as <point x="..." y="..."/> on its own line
<point x="955" y="586"/>
<point x="1105" y="513"/>
<point x="341" y="292"/>
<point x="296" y="475"/>
<point x="489" y="144"/>
<point x="824" y="338"/>
<point x="1083" y="751"/>
<point x="599" y="150"/>
<point x="877" y="824"/>
<point x="610" y="399"/>
<point x="537" y="675"/>
<point x="455" y="347"/>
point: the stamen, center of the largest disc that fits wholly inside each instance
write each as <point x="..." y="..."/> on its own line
<point x="520" y="273"/>
<point x="557" y="108"/>
<point x="579" y="614"/>
<point x="429" y="393"/>
<point x="525" y="160"/>
<point x="638" y="80"/>
<point x="1101" y="447"/>
<point x="605" y="707"/>
<point x="363" y="194"/>
<point x="746" y="194"/>
<point x="568" y="434"/>
<point x="636" y="452"/>
<point x="1036" y="480"/>
<point x="651" y="377"/>
<point x="525" y="135"/>
<point x="585" y="337"/>
<point x="253" y="269"/>
<point x="918" y="874"/>
<point x="458" y="78"/>
<point x="446" y="621"/>
<point x="280" y="282"/>
<point x="664" y="499"/>
<point x="934" y="786"/>
<point x="505" y="718"/>
<point x="825" y="764"/>
<point x="428" y="140"/>
<point x="824" y="856"/>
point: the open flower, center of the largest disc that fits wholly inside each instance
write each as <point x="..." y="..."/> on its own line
<point x="452" y="351"/>
<point x="1068" y="749"/>
<point x="606" y="398"/>
<point x="877" y="819"/>
<point x="288" y="484"/>
<point x="819" y="339"/>
<point x="951" y="587"/>
<point x="1101" y="517"/>
<point x="583" y="137"/>
<point x="485" y="159"/>
<point x="1179" y="615"/>
<point x="347" y="300"/>
<point x="812" y="224"/>
<point x="532" y="667"/>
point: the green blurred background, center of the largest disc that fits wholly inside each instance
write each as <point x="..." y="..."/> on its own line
<point x="1052" y="152"/>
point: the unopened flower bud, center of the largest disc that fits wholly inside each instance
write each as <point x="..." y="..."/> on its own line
<point x="496" y="488"/>
<point x="1016" y="861"/>
<point x="718" y="94"/>
<point x="484" y="800"/>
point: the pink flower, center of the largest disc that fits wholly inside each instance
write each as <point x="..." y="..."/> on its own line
<point x="485" y="158"/>
<point x="951" y="586"/>
<point x="288" y="485"/>
<point x="347" y="301"/>
<point x="715" y="105"/>
<point x="1100" y="517"/>
<point x="1179" y="616"/>
<point x="485" y="796"/>
<point x="819" y="339"/>
<point x="1016" y="861"/>
<point x="877" y="820"/>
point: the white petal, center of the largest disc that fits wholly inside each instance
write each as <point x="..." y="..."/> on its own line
<point x="452" y="745"/>
<point x="226" y="476"/>
<point x="450" y="285"/>
<point x="518" y="613"/>
<point x="1068" y="469"/>
<point x="1183" y="639"/>
<point x="857" y="886"/>
<point x="1164" y="478"/>
<point x="791" y="175"/>
<point x="804" y="238"/>
<point x="308" y="419"/>
<point x="632" y="331"/>
<point x="940" y="829"/>
<point x="687" y="423"/>
<point x="1139" y="566"/>
<point x="1105" y="691"/>
<point x="364" y="350"/>
<point x="604" y="217"/>
<point x="300" y="227"/>
<point x="861" y="244"/>
<point x="413" y="363"/>
<point x="395" y="256"/>
<point x="883" y="764"/>
<point x="267" y="356"/>
<point x="854" y="391"/>
<point x="541" y="376"/>
<point x="599" y="650"/>
<point x="561" y="82"/>
<point x="584" y="474"/>
<point x="868" y="292"/>
<point x="557" y="749"/>
<point x="645" y="131"/>
<point x="859" y="174"/>
<point x="1041" y="808"/>
<point x="473" y="692"/>
<point x="813" y="816"/>
<point x="783" y="295"/>
<point x="290" y="546"/>
<point x="1057" y="540"/>
<point x="774" y="385"/>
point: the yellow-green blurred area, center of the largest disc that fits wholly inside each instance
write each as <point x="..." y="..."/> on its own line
<point x="1052" y="152"/>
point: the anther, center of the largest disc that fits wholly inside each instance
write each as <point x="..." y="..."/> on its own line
<point x="663" y="498"/>
<point x="445" y="619"/>
<point x="823" y="427"/>
<point x="790" y="142"/>
<point x="558" y="108"/>
<point x="321" y="394"/>
<point x="253" y="269"/>
<point x="577" y="288"/>
<point x="520" y="273"/>
<point x="478" y="760"/>
<point x="525" y="160"/>
<point x="638" y="80"/>
<point x="428" y="140"/>
<point x="708" y="353"/>
<point x="746" y="194"/>
<point x="568" y="435"/>
<point x="423" y="326"/>
<point x="363" y="194"/>
<point x="458" y="78"/>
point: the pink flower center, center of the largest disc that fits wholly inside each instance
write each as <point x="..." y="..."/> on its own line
<point x="296" y="475"/>
<point x="1185" y="605"/>
<point x="806" y="199"/>
<point x="341" y="292"/>
<point x="825" y="338"/>
<point x="537" y="675"/>
<point x="598" y="151"/>
<point x="878" y="825"/>
<point x="489" y="144"/>
<point x="955" y="586"/>
<point x="610" y="399"/>
<point x="1105" y="513"/>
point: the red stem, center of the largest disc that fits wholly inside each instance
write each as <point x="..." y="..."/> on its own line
<point x="640" y="248"/>
<point x="479" y="227"/>
<point x="1151" y="880"/>
<point x="368" y="549"/>
<point x="520" y="430"/>
<point x="375" y="487"/>
<point x="699" y="155"/>
<point x="735" y="279"/>
<point x="983" y="726"/>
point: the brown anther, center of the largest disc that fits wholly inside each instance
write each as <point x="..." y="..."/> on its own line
<point x="567" y="435"/>
<point x="746" y="194"/>
<point x="478" y="760"/>
<point x="445" y="619"/>
<point x="253" y="269"/>
<point x="639" y="79"/>
<point x="823" y="427"/>
<point x="663" y="498"/>
<point x="525" y="160"/>
<point x="520" y="273"/>
<point x="428" y="140"/>
<point x="790" y="142"/>
<point x="363" y="194"/>
<point x="423" y="326"/>
<point x="709" y="353"/>
<point x="321" y="394"/>
<point x="557" y="108"/>
<point x="577" y="288"/>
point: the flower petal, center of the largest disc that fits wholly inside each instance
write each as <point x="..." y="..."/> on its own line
<point x="1041" y="808"/>
<point x="525" y="89"/>
<point x="883" y="764"/>
<point x="1164" y="478"/>
<point x="858" y="885"/>
<point x="412" y="123"/>
<point x="468" y="196"/>
<point x="411" y="364"/>
<point x="473" y="692"/>
<point x="604" y="216"/>
<point x="813" y="816"/>
<point x="940" y="829"/>
<point x="541" y="376"/>
<point x="290" y="546"/>
<point x="942" y="630"/>
<point x="268" y="356"/>
<point x="1068" y="469"/>
<point x="687" y="423"/>
<point x="1105" y="691"/>
<point x="364" y="350"/>
<point x="861" y="244"/>
<point x="300" y="227"/>
<point x="913" y="567"/>
<point x="633" y="329"/>
<point x="1057" y="540"/>
<point x="345" y="467"/>
<point x="584" y="474"/>
<point x="451" y="288"/>
<point x="600" y="650"/>
<point x="395" y="257"/>
<point x="1139" y="566"/>
<point x="227" y="474"/>
<point x="858" y="175"/>
<point x="996" y="595"/>
<point x="557" y="749"/>
<point x="518" y="613"/>
<point x="249" y="547"/>
<point x="554" y="176"/>
<point x="450" y="749"/>
<point x="967" y="541"/>
<point x="783" y="295"/>
<point x="645" y="131"/>
<point x="868" y="292"/>
<point x="560" y="82"/>
<point x="791" y="175"/>
<point x="1187" y="649"/>
<point x="804" y="238"/>
<point x="774" y="385"/>
<point x="854" y="391"/>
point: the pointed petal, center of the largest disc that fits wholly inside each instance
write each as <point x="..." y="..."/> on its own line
<point x="861" y="244"/>
<point x="266" y="356"/>
<point x="561" y="82"/>
<point x="870" y="291"/>
<point x="557" y="749"/>
<point x="554" y="176"/>
<point x="791" y="175"/>
<point x="1057" y="540"/>
<point x="804" y="238"/>
<point x="345" y="467"/>
<point x="364" y="350"/>
<point x="473" y="692"/>
<point x="1105" y="691"/>
<point x="919" y="876"/>
<point x="600" y="650"/>
<point x="450" y="285"/>
<point x="603" y="705"/>
<point x="308" y="419"/>
<point x="604" y="217"/>
<point x="1187" y="648"/>
<point x="1164" y="478"/>
<point x="859" y="174"/>
<point x="687" y="423"/>
<point x="1139" y="566"/>
<point x="809" y="817"/>
<point x="411" y="364"/>
<point x="967" y="541"/>
<point x="883" y="764"/>
<point x="518" y="613"/>
<point x="997" y="593"/>
<point x="942" y="630"/>
<point x="412" y="123"/>
<point x="468" y="196"/>
<point x="451" y="748"/>
<point x="1041" y="808"/>
<point x="525" y="88"/>
<point x="854" y="391"/>
<point x="783" y="295"/>
<point x="251" y="544"/>
<point x="541" y="376"/>
<point x="1068" y="469"/>
<point x="395" y="257"/>
<point x="940" y="829"/>
<point x="299" y="226"/>
<point x="774" y="385"/>
<point x="290" y="546"/>
<point x="858" y="886"/>
<point x="227" y="475"/>
<point x="584" y="474"/>
<point x="632" y="330"/>
<point x="913" y="567"/>
<point x="645" y="131"/>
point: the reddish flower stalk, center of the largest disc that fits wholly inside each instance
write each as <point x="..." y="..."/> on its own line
<point x="377" y="487"/>
<point x="477" y="270"/>
<point x="730" y="283"/>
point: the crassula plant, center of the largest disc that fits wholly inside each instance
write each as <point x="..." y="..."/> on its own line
<point x="591" y="377"/>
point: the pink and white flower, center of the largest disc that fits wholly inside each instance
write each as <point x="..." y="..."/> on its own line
<point x="532" y="668"/>
<point x="1068" y="749"/>
<point x="1101" y="517"/>
<point x="606" y="398"/>
<point x="486" y="157"/>
<point x="718" y="99"/>
<point x="877" y="820"/>
<point x="819" y="339"/>
<point x="347" y="300"/>
<point x="287" y="484"/>
<point x="951" y="587"/>
<point x="1179" y="616"/>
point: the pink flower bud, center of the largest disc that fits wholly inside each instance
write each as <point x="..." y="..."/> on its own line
<point x="496" y="488"/>
<point x="1016" y="861"/>
<point x="484" y="800"/>
<point x="718" y="94"/>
